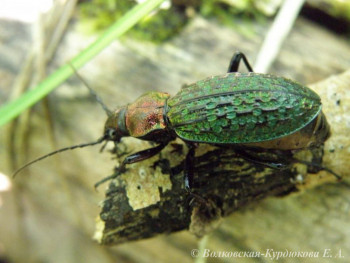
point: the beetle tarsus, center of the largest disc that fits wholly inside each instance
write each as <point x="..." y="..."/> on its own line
<point x="319" y="166"/>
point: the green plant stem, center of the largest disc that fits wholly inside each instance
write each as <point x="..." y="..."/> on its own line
<point x="14" y="108"/>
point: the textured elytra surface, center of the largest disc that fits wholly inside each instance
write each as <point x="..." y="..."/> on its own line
<point x="241" y="108"/>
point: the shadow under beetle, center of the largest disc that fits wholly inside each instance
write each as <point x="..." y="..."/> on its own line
<point x="240" y="110"/>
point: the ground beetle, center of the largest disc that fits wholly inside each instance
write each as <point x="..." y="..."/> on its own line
<point x="243" y="110"/>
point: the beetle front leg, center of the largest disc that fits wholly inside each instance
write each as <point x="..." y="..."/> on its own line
<point x="236" y="59"/>
<point x="134" y="158"/>
<point x="143" y="155"/>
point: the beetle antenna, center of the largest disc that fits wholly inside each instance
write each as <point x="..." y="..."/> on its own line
<point x="58" y="151"/>
<point x="92" y="92"/>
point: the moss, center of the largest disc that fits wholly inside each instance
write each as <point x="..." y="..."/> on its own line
<point x="97" y="15"/>
<point x="160" y="27"/>
<point x="236" y="14"/>
<point x="336" y="8"/>
<point x="340" y="9"/>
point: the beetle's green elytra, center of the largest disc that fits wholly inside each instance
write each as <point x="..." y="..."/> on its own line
<point x="241" y="108"/>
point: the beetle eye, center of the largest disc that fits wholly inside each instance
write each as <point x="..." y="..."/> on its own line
<point x="112" y="134"/>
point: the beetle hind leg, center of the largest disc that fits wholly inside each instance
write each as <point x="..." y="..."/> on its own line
<point x="235" y="60"/>
<point x="274" y="163"/>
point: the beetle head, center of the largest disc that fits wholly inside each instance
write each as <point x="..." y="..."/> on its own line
<point x="115" y="127"/>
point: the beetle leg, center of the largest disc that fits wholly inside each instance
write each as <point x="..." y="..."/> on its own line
<point x="96" y="185"/>
<point x="236" y="59"/>
<point x="282" y="164"/>
<point x="189" y="167"/>
<point x="134" y="158"/>
<point x="258" y="160"/>
<point x="189" y="173"/>
<point x="143" y="155"/>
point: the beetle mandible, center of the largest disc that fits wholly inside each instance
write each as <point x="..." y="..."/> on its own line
<point x="244" y="110"/>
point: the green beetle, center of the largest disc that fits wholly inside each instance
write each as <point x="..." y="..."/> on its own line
<point x="239" y="110"/>
<point x="252" y="111"/>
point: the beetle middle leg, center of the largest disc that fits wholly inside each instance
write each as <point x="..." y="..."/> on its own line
<point x="134" y="158"/>
<point x="189" y="174"/>
<point x="235" y="60"/>
<point x="189" y="167"/>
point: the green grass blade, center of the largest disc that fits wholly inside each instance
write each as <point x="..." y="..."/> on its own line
<point x="15" y="107"/>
